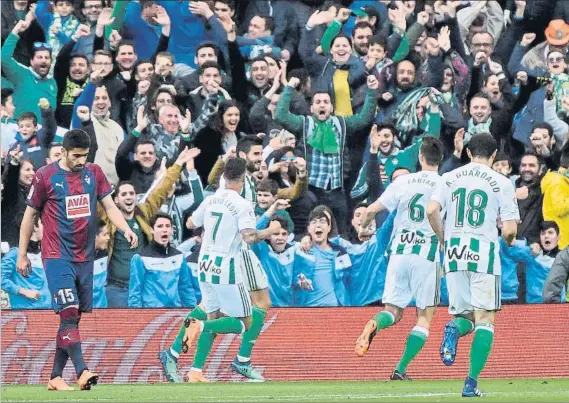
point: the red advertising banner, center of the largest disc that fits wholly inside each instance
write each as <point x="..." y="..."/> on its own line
<point x="296" y="344"/>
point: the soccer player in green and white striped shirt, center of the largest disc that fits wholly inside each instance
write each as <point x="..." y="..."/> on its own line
<point x="475" y="198"/>
<point x="412" y="271"/>
<point x="229" y="223"/>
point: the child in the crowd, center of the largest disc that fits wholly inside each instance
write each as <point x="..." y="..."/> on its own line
<point x="34" y="142"/>
<point x="377" y="62"/>
<point x="537" y="266"/>
<point x="58" y="26"/>
<point x="503" y="164"/>
<point x="101" y="265"/>
<point x="277" y="257"/>
<point x="9" y="125"/>
<point x="321" y="272"/>
<point x="266" y="197"/>
<point x="29" y="292"/>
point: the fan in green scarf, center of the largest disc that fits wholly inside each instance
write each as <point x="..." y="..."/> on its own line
<point x="324" y="138"/>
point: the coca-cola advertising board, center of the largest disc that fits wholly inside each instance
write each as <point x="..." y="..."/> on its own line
<point x="296" y="344"/>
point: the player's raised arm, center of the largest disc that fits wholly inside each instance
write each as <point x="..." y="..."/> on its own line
<point x="251" y="236"/>
<point x="23" y="264"/>
<point x="116" y="217"/>
<point x="509" y="231"/>
<point x="371" y="211"/>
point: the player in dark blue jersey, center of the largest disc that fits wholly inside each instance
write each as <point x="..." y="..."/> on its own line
<point x="66" y="193"/>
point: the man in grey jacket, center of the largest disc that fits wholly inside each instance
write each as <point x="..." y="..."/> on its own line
<point x="557" y="278"/>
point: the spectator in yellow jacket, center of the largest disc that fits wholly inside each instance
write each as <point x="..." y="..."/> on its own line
<point x="555" y="189"/>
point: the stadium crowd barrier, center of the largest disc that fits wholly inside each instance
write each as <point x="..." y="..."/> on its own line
<point x="296" y="344"/>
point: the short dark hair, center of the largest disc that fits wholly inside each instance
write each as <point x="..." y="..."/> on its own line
<point x="360" y="205"/>
<point x="281" y="220"/>
<point x="319" y="212"/>
<point x="52" y="145"/>
<point x="230" y="3"/>
<point x="260" y="58"/>
<point x="387" y="124"/>
<point x="480" y="95"/>
<point x="268" y="185"/>
<point x="341" y="36"/>
<point x="208" y="65"/>
<point x="28" y="116"/>
<point x="140" y="62"/>
<point x="302" y="74"/>
<point x="6" y="93"/>
<point x="76" y="138"/>
<point x="543" y="125"/>
<point x="362" y="25"/>
<point x="269" y="22"/>
<point x="208" y="44"/>
<point x="432" y="150"/>
<point x="539" y="159"/>
<point x="234" y="169"/>
<point x="379" y="39"/>
<point x="545" y="225"/>
<point x="80" y="56"/>
<point x="482" y="145"/>
<point x="502" y="156"/>
<point x="142" y="142"/>
<point x="159" y="215"/>
<point x="121" y="184"/>
<point x="245" y="143"/>
<point x="100" y="225"/>
<point x="127" y="42"/>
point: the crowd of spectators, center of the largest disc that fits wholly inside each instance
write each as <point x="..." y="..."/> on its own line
<point x="327" y="101"/>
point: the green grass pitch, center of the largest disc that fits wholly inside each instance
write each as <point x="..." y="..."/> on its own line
<point x="517" y="390"/>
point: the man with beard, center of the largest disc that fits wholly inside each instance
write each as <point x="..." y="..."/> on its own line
<point x="70" y="72"/>
<point x="137" y="217"/>
<point x="91" y="10"/>
<point x="484" y="119"/>
<point x="405" y="75"/>
<point x="30" y="83"/>
<point x="530" y="205"/>
<point x="250" y="148"/>
<point x="324" y="139"/>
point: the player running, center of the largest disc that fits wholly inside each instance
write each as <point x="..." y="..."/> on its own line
<point x="66" y="193"/>
<point x="229" y="225"/>
<point x="475" y="198"/>
<point x="412" y="271"/>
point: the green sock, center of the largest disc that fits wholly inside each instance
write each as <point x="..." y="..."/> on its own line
<point x="203" y="348"/>
<point x="415" y="343"/>
<point x="465" y="326"/>
<point x="176" y="347"/>
<point x="480" y="350"/>
<point x="384" y="319"/>
<point x="251" y="335"/>
<point x="223" y="325"/>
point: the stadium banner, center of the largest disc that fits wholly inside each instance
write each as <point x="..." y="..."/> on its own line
<point x="296" y="345"/>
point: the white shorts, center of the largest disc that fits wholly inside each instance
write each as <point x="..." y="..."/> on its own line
<point x="254" y="276"/>
<point x="231" y="299"/>
<point x="412" y="276"/>
<point x="469" y="291"/>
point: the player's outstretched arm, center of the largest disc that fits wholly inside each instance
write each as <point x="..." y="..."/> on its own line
<point x="371" y="211"/>
<point x="23" y="264"/>
<point x="251" y="236"/>
<point x="435" y="219"/>
<point x="116" y="217"/>
<point x="509" y="231"/>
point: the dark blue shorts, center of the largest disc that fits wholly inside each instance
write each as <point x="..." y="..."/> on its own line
<point x="70" y="283"/>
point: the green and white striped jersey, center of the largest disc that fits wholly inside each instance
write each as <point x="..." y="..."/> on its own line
<point x="248" y="192"/>
<point x="409" y="195"/>
<point x="223" y="216"/>
<point x="475" y="197"/>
